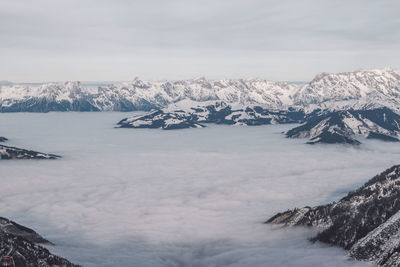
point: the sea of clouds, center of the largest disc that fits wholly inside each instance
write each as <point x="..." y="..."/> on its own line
<point x="194" y="197"/>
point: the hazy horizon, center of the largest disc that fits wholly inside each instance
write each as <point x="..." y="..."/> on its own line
<point x="99" y="82"/>
<point x="172" y="40"/>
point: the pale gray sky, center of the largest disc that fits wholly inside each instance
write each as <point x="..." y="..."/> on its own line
<point x="57" y="40"/>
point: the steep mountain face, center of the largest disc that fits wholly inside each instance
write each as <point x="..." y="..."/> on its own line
<point x="363" y="89"/>
<point x="186" y="115"/>
<point x="8" y="152"/>
<point x="21" y="242"/>
<point x="366" y="221"/>
<point x="345" y="125"/>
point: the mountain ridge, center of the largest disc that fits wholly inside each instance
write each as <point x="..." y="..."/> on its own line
<point x="363" y="88"/>
<point x="366" y="221"/>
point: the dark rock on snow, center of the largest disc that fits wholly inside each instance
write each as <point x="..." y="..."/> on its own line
<point x="366" y="221"/>
<point x="20" y="242"/>
<point x="8" y="152"/>
<point x="344" y="126"/>
<point x="216" y="112"/>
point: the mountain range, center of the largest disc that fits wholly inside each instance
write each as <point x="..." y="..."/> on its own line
<point x="334" y="107"/>
<point x="358" y="89"/>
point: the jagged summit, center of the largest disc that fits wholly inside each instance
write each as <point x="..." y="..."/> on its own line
<point x="358" y="89"/>
<point x="351" y="89"/>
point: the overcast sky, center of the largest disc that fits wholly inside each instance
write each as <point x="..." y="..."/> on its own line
<point x="110" y="40"/>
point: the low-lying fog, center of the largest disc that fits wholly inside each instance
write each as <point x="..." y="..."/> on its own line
<point x="195" y="197"/>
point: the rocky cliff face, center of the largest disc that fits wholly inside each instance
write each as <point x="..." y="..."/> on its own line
<point x="366" y="221"/>
<point x="21" y="243"/>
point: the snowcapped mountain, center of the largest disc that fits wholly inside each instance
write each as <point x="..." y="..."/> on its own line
<point x="366" y="221"/>
<point x="344" y="126"/>
<point x="362" y="89"/>
<point x="189" y="114"/>
<point x="341" y="126"/>
<point x="142" y="95"/>
<point x="68" y="96"/>
<point x="337" y="107"/>
<point x="20" y="242"/>
<point x="357" y="90"/>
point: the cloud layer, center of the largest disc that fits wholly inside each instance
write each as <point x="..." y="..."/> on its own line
<point x="194" y="197"/>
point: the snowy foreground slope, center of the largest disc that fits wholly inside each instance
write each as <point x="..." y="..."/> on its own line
<point x="366" y="221"/>
<point x="359" y="89"/>
<point x="21" y="242"/>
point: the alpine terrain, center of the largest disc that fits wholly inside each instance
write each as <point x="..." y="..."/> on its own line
<point x="366" y="221"/>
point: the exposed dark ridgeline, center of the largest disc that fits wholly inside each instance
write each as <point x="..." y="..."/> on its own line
<point x="162" y="120"/>
<point x="366" y="221"/>
<point x="218" y="112"/>
<point x="21" y="242"/>
<point x="8" y="152"/>
<point x="344" y="126"/>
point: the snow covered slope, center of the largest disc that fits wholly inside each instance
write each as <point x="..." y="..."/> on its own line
<point x="362" y="89"/>
<point x="186" y="114"/>
<point x="345" y="125"/>
<point x="366" y="221"/>
<point x="359" y="89"/>
<point x="142" y="95"/>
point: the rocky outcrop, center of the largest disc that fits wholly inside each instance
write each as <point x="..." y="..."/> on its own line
<point x="162" y="120"/>
<point x="345" y="126"/>
<point x="8" y="152"/>
<point x="366" y="221"/>
<point x="21" y="243"/>
<point x="187" y="115"/>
